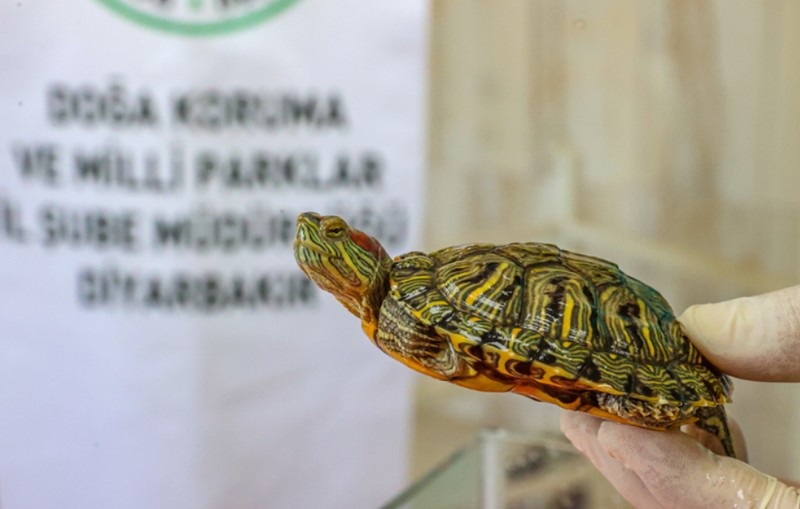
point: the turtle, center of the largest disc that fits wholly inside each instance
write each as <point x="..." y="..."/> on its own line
<point x="528" y="318"/>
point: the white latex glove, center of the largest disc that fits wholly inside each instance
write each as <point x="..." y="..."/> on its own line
<point x="757" y="338"/>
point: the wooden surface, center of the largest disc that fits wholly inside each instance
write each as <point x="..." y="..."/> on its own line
<point x="664" y="135"/>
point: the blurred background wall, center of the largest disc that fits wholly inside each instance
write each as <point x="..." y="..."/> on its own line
<point x="663" y="135"/>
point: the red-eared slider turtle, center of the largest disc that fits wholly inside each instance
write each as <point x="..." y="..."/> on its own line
<point x="553" y="325"/>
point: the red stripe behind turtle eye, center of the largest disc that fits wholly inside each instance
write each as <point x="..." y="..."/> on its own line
<point x="367" y="243"/>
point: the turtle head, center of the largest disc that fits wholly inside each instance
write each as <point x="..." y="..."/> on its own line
<point x="348" y="263"/>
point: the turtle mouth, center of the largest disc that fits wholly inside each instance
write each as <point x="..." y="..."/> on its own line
<point x="303" y="247"/>
<point x="307" y="230"/>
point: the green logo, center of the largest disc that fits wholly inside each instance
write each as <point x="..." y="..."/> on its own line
<point x="198" y="17"/>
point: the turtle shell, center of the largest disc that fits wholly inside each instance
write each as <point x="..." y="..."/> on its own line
<point x="532" y="312"/>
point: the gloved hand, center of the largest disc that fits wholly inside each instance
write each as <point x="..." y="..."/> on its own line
<point x="757" y="338"/>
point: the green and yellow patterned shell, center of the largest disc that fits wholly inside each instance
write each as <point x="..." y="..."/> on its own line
<point x="530" y="311"/>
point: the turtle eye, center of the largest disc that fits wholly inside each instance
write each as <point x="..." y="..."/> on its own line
<point x="336" y="230"/>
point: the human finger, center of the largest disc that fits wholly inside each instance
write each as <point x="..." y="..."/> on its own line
<point x="681" y="473"/>
<point x="756" y="338"/>
<point x="581" y="429"/>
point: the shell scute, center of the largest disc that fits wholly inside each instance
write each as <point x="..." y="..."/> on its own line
<point x="411" y="283"/>
<point x="600" y="272"/>
<point x="508" y="348"/>
<point x="413" y="261"/>
<point x="562" y="358"/>
<point x="488" y="287"/>
<point x="615" y="371"/>
<point x="633" y="327"/>
<point x="557" y="304"/>
<point x="456" y="253"/>
<point x="699" y="386"/>
<point x="651" y="297"/>
<point x="524" y="254"/>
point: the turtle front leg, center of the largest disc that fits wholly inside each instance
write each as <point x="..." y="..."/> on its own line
<point x="418" y="346"/>
<point x="405" y="339"/>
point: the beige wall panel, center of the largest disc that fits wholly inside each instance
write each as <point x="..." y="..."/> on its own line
<point x="664" y="135"/>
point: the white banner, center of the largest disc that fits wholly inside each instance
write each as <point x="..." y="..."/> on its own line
<point x="160" y="348"/>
